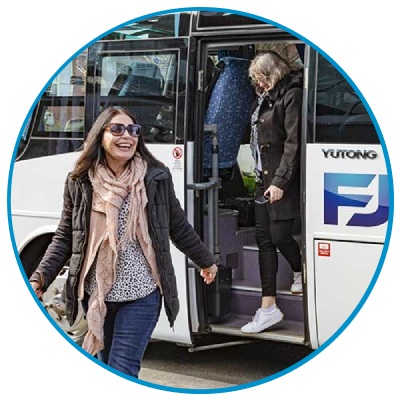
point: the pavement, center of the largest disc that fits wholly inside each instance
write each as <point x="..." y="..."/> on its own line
<point x="170" y="365"/>
<point x="179" y="381"/>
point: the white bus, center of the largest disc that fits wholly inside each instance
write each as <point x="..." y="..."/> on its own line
<point x="167" y="70"/>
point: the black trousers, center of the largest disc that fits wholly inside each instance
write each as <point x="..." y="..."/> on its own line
<point x="271" y="235"/>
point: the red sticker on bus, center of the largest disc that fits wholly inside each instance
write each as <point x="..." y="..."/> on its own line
<point x="324" y="249"/>
<point x="178" y="153"/>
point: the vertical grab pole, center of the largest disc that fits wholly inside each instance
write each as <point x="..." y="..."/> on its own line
<point x="211" y="218"/>
<point x="215" y="178"/>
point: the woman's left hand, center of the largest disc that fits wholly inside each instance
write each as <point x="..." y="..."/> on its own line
<point x="209" y="274"/>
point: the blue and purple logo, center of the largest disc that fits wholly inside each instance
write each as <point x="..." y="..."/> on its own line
<point x="333" y="201"/>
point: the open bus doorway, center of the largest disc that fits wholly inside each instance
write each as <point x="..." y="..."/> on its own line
<point x="228" y="97"/>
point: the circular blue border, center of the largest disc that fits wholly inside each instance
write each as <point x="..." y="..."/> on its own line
<point x="345" y="324"/>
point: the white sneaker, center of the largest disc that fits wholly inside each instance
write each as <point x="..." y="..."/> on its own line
<point x="297" y="286"/>
<point x="263" y="320"/>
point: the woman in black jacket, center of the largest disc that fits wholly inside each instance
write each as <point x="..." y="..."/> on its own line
<point x="275" y="143"/>
<point x="119" y="213"/>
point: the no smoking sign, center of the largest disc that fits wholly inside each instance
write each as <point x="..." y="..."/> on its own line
<point x="177" y="153"/>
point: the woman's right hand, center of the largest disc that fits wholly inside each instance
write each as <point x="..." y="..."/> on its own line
<point x="37" y="287"/>
<point x="209" y="274"/>
<point x="274" y="193"/>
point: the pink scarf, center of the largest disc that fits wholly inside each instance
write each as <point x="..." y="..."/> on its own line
<point x="109" y="194"/>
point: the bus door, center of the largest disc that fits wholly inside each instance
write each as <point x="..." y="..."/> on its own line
<point x="346" y="198"/>
<point x="224" y="98"/>
<point x="148" y="77"/>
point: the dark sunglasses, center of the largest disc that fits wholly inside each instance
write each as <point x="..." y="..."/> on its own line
<point x="119" y="129"/>
<point x="262" y="200"/>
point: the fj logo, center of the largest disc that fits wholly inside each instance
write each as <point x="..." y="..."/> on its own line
<point x="333" y="201"/>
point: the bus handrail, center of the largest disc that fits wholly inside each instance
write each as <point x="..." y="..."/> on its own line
<point x="203" y="186"/>
<point x="212" y="186"/>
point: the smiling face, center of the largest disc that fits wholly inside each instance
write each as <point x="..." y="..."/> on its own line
<point x="119" y="149"/>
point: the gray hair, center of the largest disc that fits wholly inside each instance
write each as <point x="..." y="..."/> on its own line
<point x="268" y="67"/>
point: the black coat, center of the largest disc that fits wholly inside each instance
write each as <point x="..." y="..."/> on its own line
<point x="279" y="138"/>
<point x="166" y="220"/>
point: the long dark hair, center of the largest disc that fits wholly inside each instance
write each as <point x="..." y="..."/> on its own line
<point x="93" y="151"/>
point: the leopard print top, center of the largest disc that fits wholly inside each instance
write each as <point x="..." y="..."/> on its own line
<point x="133" y="274"/>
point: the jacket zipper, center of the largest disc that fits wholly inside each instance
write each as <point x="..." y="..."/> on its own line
<point x="83" y="252"/>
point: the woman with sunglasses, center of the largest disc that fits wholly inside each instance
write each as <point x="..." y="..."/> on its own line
<point x="275" y="144"/>
<point x="119" y="212"/>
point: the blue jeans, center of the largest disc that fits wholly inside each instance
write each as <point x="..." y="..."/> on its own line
<point x="128" y="327"/>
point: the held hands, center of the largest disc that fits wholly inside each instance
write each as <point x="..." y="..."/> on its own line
<point x="209" y="274"/>
<point x="274" y="193"/>
<point x="37" y="289"/>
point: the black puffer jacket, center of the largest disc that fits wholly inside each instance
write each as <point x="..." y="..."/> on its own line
<point x="166" y="220"/>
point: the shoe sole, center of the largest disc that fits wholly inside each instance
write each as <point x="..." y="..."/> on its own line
<point x="281" y="318"/>
<point x="296" y="291"/>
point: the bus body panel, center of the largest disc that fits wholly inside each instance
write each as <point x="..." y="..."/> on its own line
<point x="174" y="158"/>
<point x="32" y="180"/>
<point x="336" y="176"/>
<point x="348" y="176"/>
<point x="343" y="272"/>
<point x="37" y="195"/>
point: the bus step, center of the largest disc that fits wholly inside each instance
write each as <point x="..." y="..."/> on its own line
<point x="286" y="331"/>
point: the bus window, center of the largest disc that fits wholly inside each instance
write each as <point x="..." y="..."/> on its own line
<point x="59" y="115"/>
<point x="24" y="139"/>
<point x="169" y="25"/>
<point x="212" y="19"/>
<point x="144" y="83"/>
<point x="341" y="117"/>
